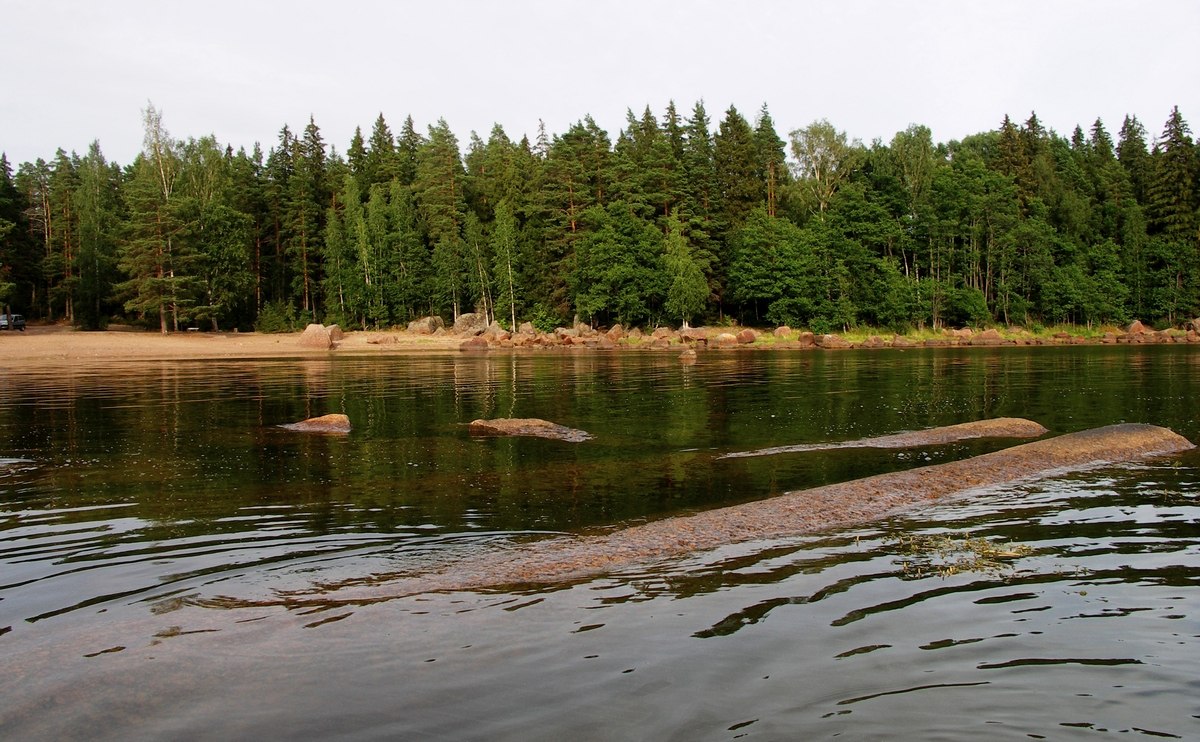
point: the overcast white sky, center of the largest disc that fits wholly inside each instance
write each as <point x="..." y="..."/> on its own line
<point x="78" y="71"/>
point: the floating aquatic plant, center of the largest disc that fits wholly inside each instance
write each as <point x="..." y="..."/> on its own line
<point x="946" y="554"/>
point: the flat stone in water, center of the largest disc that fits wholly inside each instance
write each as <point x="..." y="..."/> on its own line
<point x="791" y="514"/>
<point x="528" y="426"/>
<point x="1000" y="427"/>
<point x="335" y="423"/>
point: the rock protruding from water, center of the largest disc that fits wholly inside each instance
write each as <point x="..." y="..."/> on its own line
<point x="528" y="426"/>
<point x="335" y="423"/>
<point x="843" y="505"/>
<point x="1000" y="427"/>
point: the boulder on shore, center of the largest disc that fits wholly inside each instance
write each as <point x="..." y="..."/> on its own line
<point x="528" y="426"/>
<point x="747" y="336"/>
<point x="426" y="325"/>
<point x="478" y="342"/>
<point x="1136" y="328"/>
<point x="316" y="336"/>
<point x="335" y="423"/>
<point x="470" y="324"/>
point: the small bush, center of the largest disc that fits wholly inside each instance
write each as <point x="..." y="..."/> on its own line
<point x="277" y="316"/>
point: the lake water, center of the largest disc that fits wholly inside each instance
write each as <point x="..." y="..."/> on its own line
<point x="156" y="528"/>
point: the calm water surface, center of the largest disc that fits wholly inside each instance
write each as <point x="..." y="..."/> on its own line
<point x="152" y="517"/>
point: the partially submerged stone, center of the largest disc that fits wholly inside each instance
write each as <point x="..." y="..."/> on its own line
<point x="1000" y="427"/>
<point x="335" y="423"/>
<point x="528" y="426"/>
<point x="788" y="515"/>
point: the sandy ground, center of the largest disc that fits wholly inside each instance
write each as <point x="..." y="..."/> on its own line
<point x="58" y="344"/>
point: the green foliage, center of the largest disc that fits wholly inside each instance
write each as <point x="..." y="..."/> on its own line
<point x="666" y="222"/>
<point x="543" y="318"/>
<point x="688" y="289"/>
<point x="278" y="316"/>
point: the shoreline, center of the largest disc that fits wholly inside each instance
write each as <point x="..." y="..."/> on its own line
<point x="63" y="345"/>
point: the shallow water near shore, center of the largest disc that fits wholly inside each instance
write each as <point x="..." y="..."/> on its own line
<point x="154" y="519"/>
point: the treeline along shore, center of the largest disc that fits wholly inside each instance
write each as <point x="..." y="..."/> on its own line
<point x="678" y="220"/>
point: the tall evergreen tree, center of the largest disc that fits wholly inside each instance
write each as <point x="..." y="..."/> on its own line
<point x="439" y="191"/>
<point x="98" y="200"/>
<point x="308" y="197"/>
<point x="770" y="159"/>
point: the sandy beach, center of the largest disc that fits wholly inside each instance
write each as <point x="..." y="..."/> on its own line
<point x="64" y="345"/>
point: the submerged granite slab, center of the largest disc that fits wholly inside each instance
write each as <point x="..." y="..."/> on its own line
<point x="324" y="424"/>
<point x="528" y="426"/>
<point x="795" y="513"/>
<point x="1000" y="427"/>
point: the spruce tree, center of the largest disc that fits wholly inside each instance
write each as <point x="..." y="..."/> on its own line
<point x="770" y="160"/>
<point x="439" y="191"/>
<point x="98" y="200"/>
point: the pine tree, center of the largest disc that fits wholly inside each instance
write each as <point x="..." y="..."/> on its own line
<point x="356" y="157"/>
<point x="735" y="162"/>
<point x="1133" y="155"/>
<point x="1172" y="190"/>
<point x="98" y="203"/>
<point x="307" y="199"/>
<point x="408" y="147"/>
<point x="381" y="162"/>
<point x="770" y="159"/>
<point x="439" y="191"/>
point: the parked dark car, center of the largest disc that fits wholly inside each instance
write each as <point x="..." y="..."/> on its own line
<point x="12" y="322"/>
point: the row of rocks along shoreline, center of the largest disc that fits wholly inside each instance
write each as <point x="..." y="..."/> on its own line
<point x="478" y="335"/>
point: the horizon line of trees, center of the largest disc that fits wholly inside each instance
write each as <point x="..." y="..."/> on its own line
<point x="671" y="222"/>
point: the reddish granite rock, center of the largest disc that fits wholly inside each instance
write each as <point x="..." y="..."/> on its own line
<point x="987" y="337"/>
<point x="470" y="323"/>
<point x="782" y="331"/>
<point x="687" y="357"/>
<point x="495" y="333"/>
<point x="528" y="426"/>
<point x="335" y="423"/>
<point x="832" y="342"/>
<point x="821" y="509"/>
<point x="478" y="342"/>
<point x="383" y="340"/>
<point x="316" y="336"/>
<point x="747" y="336"/>
<point x="724" y="340"/>
<point x="693" y="335"/>
<point x="1136" y="328"/>
<point x="426" y="325"/>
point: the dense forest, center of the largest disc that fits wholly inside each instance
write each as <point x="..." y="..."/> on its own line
<point x="679" y="220"/>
